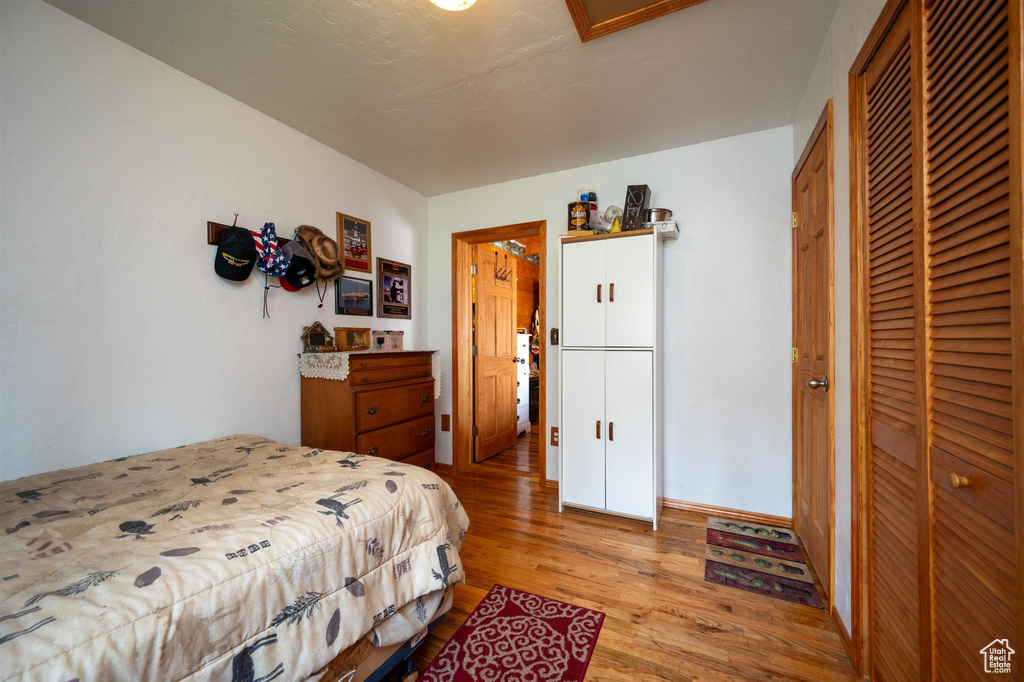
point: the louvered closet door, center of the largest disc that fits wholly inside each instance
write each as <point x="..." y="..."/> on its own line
<point x="893" y="253"/>
<point x="974" y="554"/>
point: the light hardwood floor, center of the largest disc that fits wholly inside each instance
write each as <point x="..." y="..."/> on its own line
<point x="664" y="622"/>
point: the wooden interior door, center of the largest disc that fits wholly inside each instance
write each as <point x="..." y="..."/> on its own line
<point x="812" y="321"/>
<point x="894" y="328"/>
<point x="495" y="330"/>
<point x="975" y="555"/>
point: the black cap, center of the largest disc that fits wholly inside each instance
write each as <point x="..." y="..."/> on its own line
<point x="236" y="254"/>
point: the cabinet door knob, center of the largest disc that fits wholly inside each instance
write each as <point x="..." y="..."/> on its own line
<point x="426" y="432"/>
<point x="598" y="293"/>
<point x="372" y="410"/>
<point x="374" y="450"/>
<point x="598" y="430"/>
<point x="425" y="399"/>
<point x="958" y="481"/>
<point x="611" y="292"/>
<point x="611" y="430"/>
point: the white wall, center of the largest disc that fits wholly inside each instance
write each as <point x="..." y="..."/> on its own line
<point x="850" y="26"/>
<point x="117" y="337"/>
<point x="727" y="305"/>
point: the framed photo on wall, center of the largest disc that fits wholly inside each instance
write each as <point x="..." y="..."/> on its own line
<point x="353" y="296"/>
<point x="354" y="239"/>
<point x="394" y="286"/>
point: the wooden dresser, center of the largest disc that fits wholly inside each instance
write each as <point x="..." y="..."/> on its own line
<point x="385" y="407"/>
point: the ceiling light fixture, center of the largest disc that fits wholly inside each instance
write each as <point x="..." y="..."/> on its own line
<point x="454" y="5"/>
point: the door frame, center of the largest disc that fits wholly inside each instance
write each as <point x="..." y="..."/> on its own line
<point x="822" y="127"/>
<point x="463" y="390"/>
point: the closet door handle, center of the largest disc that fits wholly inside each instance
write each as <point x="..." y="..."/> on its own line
<point x="598" y="432"/>
<point x="611" y="430"/>
<point x="374" y="450"/>
<point x="598" y="293"/>
<point x="372" y="410"/>
<point x="611" y="292"/>
<point x="958" y="481"/>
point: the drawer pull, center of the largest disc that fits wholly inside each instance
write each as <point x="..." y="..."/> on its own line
<point x="425" y="399"/>
<point x="374" y="450"/>
<point x="426" y="432"/>
<point x="958" y="481"/>
<point x="363" y="365"/>
<point x="372" y="410"/>
<point x="364" y="379"/>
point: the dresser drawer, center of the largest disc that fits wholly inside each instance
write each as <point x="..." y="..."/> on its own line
<point x="423" y="459"/>
<point x="377" y="375"/>
<point x="384" y="406"/>
<point x="385" y="360"/>
<point x="398" y="441"/>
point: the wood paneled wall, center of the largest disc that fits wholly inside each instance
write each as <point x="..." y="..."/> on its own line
<point x="528" y="298"/>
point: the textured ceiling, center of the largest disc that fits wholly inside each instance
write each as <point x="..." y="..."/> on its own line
<point x="442" y="101"/>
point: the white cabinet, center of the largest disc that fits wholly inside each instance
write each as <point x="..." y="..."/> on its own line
<point x="609" y="390"/>
<point x="608" y="293"/>
<point x="608" y="430"/>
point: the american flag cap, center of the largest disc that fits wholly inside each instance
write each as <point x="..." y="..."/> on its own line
<point x="270" y="261"/>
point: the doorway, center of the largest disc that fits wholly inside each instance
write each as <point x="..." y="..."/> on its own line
<point x="476" y="248"/>
<point x="813" y="351"/>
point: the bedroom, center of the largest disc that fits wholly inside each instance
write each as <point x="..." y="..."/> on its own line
<point x="127" y="129"/>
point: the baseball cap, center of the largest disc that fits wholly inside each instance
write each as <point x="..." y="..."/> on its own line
<point x="301" y="270"/>
<point x="236" y="254"/>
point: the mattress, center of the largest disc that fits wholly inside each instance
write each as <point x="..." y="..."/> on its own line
<point x="240" y="558"/>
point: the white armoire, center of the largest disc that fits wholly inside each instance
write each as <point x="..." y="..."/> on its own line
<point x="610" y="373"/>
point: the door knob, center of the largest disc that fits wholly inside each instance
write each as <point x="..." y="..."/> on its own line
<point x="814" y="383"/>
<point x="958" y="481"/>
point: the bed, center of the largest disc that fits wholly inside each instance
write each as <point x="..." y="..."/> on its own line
<point x="236" y="559"/>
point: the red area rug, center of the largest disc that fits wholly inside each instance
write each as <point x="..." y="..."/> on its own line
<point x="521" y="637"/>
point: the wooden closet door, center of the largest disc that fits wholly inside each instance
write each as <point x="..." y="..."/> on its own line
<point x="894" y="326"/>
<point x="974" y="553"/>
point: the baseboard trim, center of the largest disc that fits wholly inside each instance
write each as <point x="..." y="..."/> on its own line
<point x="442" y="468"/>
<point x="844" y="637"/>
<point x="727" y="512"/>
<point x="549" y="485"/>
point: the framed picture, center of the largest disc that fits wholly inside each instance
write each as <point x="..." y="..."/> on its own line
<point x="353" y="296"/>
<point x="354" y="239"/>
<point x="316" y="338"/>
<point x="352" y="338"/>
<point x="394" y="282"/>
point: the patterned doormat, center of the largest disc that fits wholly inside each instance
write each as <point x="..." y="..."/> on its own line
<point x="513" y="635"/>
<point x="762" y="559"/>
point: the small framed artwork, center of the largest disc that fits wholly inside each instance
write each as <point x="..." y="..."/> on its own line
<point x="352" y="338"/>
<point x="354" y="238"/>
<point x="353" y="296"/>
<point x="316" y="338"/>
<point x="394" y="285"/>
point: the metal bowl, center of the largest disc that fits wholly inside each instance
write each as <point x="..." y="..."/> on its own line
<point x="657" y="215"/>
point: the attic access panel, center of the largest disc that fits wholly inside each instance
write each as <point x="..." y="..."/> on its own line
<point x="595" y="18"/>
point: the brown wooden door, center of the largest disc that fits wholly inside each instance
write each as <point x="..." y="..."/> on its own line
<point x="975" y="555"/>
<point x="812" y="332"/>
<point x="894" y="328"/>
<point x="495" y="325"/>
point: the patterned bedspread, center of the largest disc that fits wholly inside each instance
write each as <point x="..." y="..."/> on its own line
<point x="237" y="559"/>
